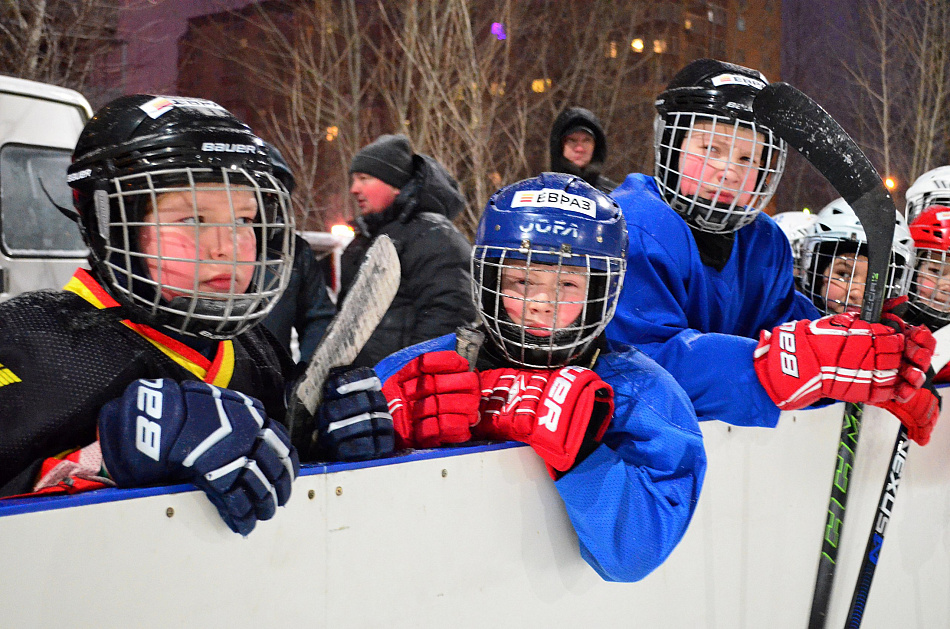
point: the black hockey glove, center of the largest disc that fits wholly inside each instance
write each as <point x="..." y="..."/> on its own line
<point x="353" y="421"/>
<point x="218" y="439"/>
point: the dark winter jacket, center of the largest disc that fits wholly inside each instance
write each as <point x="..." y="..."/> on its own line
<point x="305" y="304"/>
<point x="566" y="120"/>
<point x="434" y="296"/>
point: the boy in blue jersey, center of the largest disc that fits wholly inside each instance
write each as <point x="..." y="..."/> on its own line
<point x="616" y="432"/>
<point x="707" y="272"/>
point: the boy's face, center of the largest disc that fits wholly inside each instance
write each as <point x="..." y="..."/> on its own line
<point x="188" y="228"/>
<point x="843" y="283"/>
<point x="933" y="280"/>
<point x="712" y="163"/>
<point x="543" y="299"/>
<point x="579" y="148"/>
<point x="371" y="194"/>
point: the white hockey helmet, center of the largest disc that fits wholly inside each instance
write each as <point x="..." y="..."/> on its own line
<point x="795" y="226"/>
<point x="931" y="188"/>
<point x="837" y="234"/>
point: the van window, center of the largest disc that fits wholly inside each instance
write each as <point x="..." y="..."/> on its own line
<point x="30" y="225"/>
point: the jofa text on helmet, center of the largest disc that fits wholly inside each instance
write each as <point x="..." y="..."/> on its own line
<point x="556" y="228"/>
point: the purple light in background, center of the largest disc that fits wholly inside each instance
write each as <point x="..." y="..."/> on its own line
<point x="498" y="30"/>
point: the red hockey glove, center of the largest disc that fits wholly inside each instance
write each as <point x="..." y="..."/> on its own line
<point x="558" y="412"/>
<point x="839" y="357"/>
<point x="919" y="346"/>
<point x="433" y="400"/>
<point x="919" y="414"/>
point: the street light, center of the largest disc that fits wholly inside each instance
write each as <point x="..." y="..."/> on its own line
<point x="890" y="183"/>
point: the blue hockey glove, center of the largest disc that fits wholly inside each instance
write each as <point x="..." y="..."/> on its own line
<point x="353" y="421"/>
<point x="221" y="440"/>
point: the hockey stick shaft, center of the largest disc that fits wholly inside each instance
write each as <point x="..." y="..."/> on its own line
<point x="882" y="516"/>
<point x="885" y="504"/>
<point x="811" y="131"/>
<point x="366" y="302"/>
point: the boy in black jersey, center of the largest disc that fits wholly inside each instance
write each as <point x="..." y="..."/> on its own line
<point x="149" y="367"/>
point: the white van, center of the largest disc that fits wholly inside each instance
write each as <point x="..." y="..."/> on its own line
<point x="39" y="126"/>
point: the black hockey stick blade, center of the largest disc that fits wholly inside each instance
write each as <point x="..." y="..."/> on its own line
<point x="366" y="302"/>
<point x="811" y="131"/>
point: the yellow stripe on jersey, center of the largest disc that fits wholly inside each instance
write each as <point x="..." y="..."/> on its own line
<point x="7" y="376"/>
<point x="217" y="372"/>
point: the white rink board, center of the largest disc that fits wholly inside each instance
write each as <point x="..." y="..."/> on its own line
<point x="479" y="538"/>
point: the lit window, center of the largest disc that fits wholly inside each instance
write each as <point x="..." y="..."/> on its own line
<point x="659" y="46"/>
<point x="688" y="24"/>
<point x="332" y="132"/>
<point x="612" y="50"/>
<point x="496" y="89"/>
<point x="637" y="45"/>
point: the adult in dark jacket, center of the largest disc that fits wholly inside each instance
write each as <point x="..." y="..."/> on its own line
<point x="412" y="199"/>
<point x="579" y="147"/>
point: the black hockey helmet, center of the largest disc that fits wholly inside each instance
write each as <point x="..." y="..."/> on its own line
<point x="281" y="168"/>
<point x="719" y="94"/>
<point x="137" y="148"/>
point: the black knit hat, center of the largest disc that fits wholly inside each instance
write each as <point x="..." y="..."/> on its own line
<point x="388" y="158"/>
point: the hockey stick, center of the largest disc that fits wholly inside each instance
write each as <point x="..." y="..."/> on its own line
<point x="365" y="304"/>
<point x="811" y="131"/>
<point x="895" y="472"/>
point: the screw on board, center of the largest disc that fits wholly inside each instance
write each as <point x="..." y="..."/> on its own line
<point x="339" y="491"/>
<point x="169" y="512"/>
<point x="311" y="494"/>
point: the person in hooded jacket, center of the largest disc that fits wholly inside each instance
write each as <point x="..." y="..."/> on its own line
<point x="579" y="147"/>
<point x="412" y="199"/>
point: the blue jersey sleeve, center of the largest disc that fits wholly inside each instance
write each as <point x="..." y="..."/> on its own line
<point x="632" y="499"/>
<point x="699" y="323"/>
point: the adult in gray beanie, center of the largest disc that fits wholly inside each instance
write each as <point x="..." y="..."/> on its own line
<point x="412" y="199"/>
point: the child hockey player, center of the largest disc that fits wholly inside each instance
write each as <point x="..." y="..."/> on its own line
<point x="149" y="368"/>
<point x="795" y="226"/>
<point x="834" y="275"/>
<point x="615" y="430"/>
<point x="930" y="287"/>
<point x="707" y="272"/>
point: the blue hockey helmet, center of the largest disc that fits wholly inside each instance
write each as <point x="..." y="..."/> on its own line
<point x="546" y="248"/>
